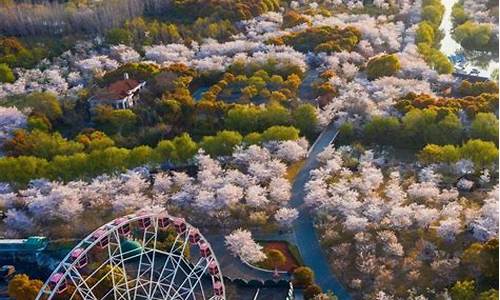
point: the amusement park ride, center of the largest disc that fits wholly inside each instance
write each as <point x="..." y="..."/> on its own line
<point x="149" y="255"/>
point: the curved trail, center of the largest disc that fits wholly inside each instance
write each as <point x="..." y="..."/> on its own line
<point x="305" y="234"/>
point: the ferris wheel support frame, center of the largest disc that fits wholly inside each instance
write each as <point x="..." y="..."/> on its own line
<point x="117" y="258"/>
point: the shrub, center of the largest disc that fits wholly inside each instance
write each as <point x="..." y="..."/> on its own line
<point x="384" y="65"/>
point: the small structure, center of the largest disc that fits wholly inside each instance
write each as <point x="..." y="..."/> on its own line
<point x="101" y="234"/>
<point x="79" y="262"/>
<point x="212" y="268"/>
<point x="123" y="226"/>
<point x="218" y="289"/>
<point x="180" y="225"/>
<point x="32" y="244"/>
<point x="163" y="221"/>
<point x="145" y="222"/>
<point x="194" y="236"/>
<point x="120" y="94"/>
<point x="55" y="279"/>
<point x="204" y="250"/>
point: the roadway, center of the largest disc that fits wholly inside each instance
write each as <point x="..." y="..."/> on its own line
<point x="305" y="233"/>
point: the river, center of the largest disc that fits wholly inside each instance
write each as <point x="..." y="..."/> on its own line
<point x="483" y="63"/>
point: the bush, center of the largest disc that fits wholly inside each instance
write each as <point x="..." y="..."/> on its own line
<point x="42" y="103"/>
<point x="482" y="154"/>
<point x="280" y="133"/>
<point x="322" y="39"/>
<point x="223" y="143"/>
<point x="439" y="154"/>
<point x="119" y="36"/>
<point x="6" y="74"/>
<point x="485" y="127"/>
<point x="458" y="14"/>
<point x="303" y="277"/>
<point x="384" y="65"/>
<point x="21" y="287"/>
<point x="311" y="291"/>
<point x="104" y="159"/>
<point x="435" y="58"/>
<point x="474" y="36"/>
<point x="477" y="88"/>
<point x="463" y="290"/>
<point x="383" y="130"/>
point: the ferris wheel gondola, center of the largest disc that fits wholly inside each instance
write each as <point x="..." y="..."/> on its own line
<point x="149" y="255"/>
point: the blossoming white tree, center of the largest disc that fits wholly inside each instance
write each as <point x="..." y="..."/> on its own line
<point x="241" y="244"/>
<point x="286" y="216"/>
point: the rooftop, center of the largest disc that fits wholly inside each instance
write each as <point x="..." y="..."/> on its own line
<point x="117" y="90"/>
<point x="35" y="243"/>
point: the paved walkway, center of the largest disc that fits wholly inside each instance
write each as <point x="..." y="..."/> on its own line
<point x="305" y="233"/>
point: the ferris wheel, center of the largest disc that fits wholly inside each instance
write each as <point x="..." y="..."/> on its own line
<point x="146" y="256"/>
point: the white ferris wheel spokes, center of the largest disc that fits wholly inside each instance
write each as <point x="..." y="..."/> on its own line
<point x="144" y="256"/>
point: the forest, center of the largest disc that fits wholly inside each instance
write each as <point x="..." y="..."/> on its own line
<point x="219" y="111"/>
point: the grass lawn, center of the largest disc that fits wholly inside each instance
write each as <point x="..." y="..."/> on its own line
<point x="293" y="170"/>
<point x="291" y="253"/>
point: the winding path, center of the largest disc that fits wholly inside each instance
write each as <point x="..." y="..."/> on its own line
<point x="305" y="234"/>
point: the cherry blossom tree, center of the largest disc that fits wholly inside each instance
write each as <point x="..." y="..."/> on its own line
<point x="256" y="196"/>
<point x="286" y="216"/>
<point x="241" y="244"/>
<point x="10" y="119"/>
<point x="291" y="151"/>
<point x="279" y="190"/>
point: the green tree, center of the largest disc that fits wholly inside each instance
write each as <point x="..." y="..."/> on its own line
<point x="69" y="167"/>
<point x="439" y="154"/>
<point x="21" y="287"/>
<point x="419" y="125"/>
<point x="22" y="169"/>
<point x="140" y="156"/>
<point x="41" y="144"/>
<point x="491" y="294"/>
<point x="243" y="118"/>
<point x="185" y="147"/>
<point x="253" y="138"/>
<point x="347" y="133"/>
<point x="95" y="140"/>
<point x="425" y="33"/>
<point x="280" y="133"/>
<point x="463" y="290"/>
<point x="484" y="258"/>
<point x="312" y="291"/>
<point x="482" y="154"/>
<point x="119" y="36"/>
<point x="275" y="258"/>
<point x="123" y="119"/>
<point x="384" y="65"/>
<point x="274" y="114"/>
<point x="485" y="127"/>
<point x="107" y="160"/>
<point x="223" y="143"/>
<point x="473" y="36"/>
<point x="433" y="14"/>
<point x="303" y="277"/>
<point x="6" y="74"/>
<point x="383" y="130"/>
<point x="435" y="58"/>
<point x="305" y="119"/>
<point x="458" y="14"/>
<point x="42" y="103"/>
<point x="477" y="88"/>
<point x="449" y="130"/>
<point x="39" y="122"/>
